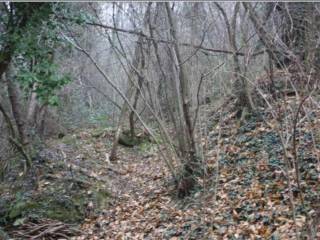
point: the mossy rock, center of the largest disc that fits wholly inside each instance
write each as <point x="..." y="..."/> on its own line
<point x="64" y="209"/>
<point x="70" y="208"/>
<point x="99" y="132"/>
<point x="21" y="208"/>
<point x="65" y="199"/>
<point x="128" y="141"/>
<point x="54" y="207"/>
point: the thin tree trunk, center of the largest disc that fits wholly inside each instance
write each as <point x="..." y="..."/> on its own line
<point x="134" y="105"/>
<point x="189" y="149"/>
<point x="137" y="65"/>
<point x="42" y="119"/>
<point x="16" y="110"/>
<point x="8" y="121"/>
<point x="141" y="65"/>
<point x="262" y="32"/>
<point x="240" y="85"/>
<point x="168" y="161"/>
<point x="122" y="117"/>
<point x="5" y="60"/>
<point x="21" y="141"/>
<point x="32" y="107"/>
<point x="163" y="83"/>
<point x="124" y="110"/>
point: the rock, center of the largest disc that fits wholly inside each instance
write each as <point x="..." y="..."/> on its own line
<point x="126" y="141"/>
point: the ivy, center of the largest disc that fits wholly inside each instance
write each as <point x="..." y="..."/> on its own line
<point x="35" y="46"/>
<point x="32" y="36"/>
<point x="44" y="76"/>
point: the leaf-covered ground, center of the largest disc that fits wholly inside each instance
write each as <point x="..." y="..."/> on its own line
<point x="248" y="199"/>
<point x="242" y="194"/>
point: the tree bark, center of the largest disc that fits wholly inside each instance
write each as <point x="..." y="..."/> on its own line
<point x="240" y="85"/>
<point x="31" y="114"/>
<point x="16" y="108"/>
<point x="122" y="117"/>
<point x="21" y="141"/>
<point x="187" y="182"/>
<point x="137" y="65"/>
<point x="263" y="34"/>
<point x="8" y="121"/>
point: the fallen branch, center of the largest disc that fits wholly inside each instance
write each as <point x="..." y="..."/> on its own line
<point x="46" y="229"/>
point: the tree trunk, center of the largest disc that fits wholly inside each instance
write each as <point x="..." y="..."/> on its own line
<point x="134" y="105"/>
<point x="113" y="152"/>
<point x="16" y="107"/>
<point x="265" y="38"/>
<point x="137" y="91"/>
<point x="138" y="64"/>
<point x="5" y="60"/>
<point x="240" y="84"/>
<point x="187" y="182"/>
<point x="41" y="117"/>
<point x="31" y="114"/>
<point x="8" y="122"/>
<point x="23" y="138"/>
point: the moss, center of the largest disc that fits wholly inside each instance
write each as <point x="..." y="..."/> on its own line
<point x="99" y="132"/>
<point x="21" y="208"/>
<point x="128" y="141"/>
<point x="79" y="201"/>
<point x="102" y="198"/>
<point x="70" y="140"/>
<point x="56" y="205"/>
<point x="64" y="210"/>
<point x="99" y="196"/>
<point x="59" y="208"/>
<point x="145" y="147"/>
<point x="60" y="198"/>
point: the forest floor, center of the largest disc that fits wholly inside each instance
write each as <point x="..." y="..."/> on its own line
<point x="249" y="199"/>
<point x="135" y="198"/>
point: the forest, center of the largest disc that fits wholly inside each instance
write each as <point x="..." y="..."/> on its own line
<point x="159" y="120"/>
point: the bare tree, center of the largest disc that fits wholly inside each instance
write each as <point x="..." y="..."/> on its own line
<point x="240" y="86"/>
<point x="137" y="67"/>
<point x="183" y="98"/>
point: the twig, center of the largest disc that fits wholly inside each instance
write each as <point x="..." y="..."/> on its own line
<point x="295" y="157"/>
<point x="122" y="95"/>
<point x="203" y="76"/>
<point x="48" y="229"/>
